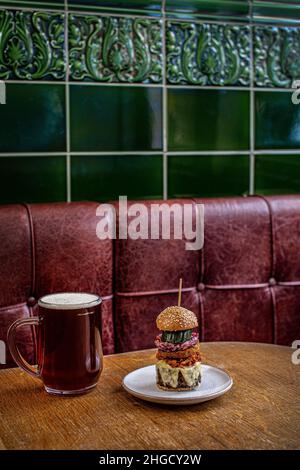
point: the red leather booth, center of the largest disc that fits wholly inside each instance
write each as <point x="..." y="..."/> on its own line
<point x="244" y="285"/>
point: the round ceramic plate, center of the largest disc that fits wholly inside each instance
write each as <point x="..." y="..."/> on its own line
<point x="142" y="384"/>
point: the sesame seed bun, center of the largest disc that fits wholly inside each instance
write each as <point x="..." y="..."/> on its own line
<point x="176" y="319"/>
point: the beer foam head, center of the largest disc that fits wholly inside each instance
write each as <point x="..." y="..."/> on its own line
<point x="69" y="301"/>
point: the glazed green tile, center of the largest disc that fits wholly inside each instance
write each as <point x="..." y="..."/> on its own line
<point x="208" y="119"/>
<point x="277" y="174"/>
<point x="278" y="11"/>
<point x="115" y="49"/>
<point x="207" y="176"/>
<point x="276" y="56"/>
<point x="32" y="179"/>
<point x="237" y="10"/>
<point x="102" y="178"/>
<point x="37" y="4"/>
<point x="202" y="53"/>
<point x="115" y="118"/>
<point x="141" y="7"/>
<point x="277" y="121"/>
<point x="32" y="45"/>
<point x="33" y="118"/>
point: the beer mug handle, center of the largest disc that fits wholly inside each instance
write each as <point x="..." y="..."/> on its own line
<point x="14" y="351"/>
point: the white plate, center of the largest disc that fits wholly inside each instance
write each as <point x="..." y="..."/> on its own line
<point x="141" y="383"/>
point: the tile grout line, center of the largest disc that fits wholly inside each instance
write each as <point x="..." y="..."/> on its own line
<point x="231" y="88"/>
<point x="277" y="152"/>
<point x="151" y="85"/>
<point x="67" y="107"/>
<point x="208" y="152"/>
<point x="252" y="107"/>
<point x="165" y="103"/>
<point x="116" y="84"/>
<point x="212" y="20"/>
<point x="227" y="21"/>
<point x="252" y="139"/>
<point x="221" y="153"/>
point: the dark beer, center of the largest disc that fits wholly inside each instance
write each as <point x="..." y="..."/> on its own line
<point x="69" y="354"/>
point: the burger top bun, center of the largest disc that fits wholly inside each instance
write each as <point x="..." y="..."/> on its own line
<point x="176" y="319"/>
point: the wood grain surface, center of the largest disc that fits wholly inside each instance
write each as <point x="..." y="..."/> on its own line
<point x="261" y="411"/>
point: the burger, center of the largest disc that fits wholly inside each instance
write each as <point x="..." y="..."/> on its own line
<point x="179" y="361"/>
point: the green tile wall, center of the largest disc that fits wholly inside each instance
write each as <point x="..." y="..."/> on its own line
<point x="33" y="118"/>
<point x="148" y="98"/>
<point x="277" y="121"/>
<point x="278" y="174"/>
<point x="95" y="177"/>
<point x="140" y="7"/>
<point x="209" y="175"/>
<point x="32" y="179"/>
<point x="208" y="9"/>
<point x="115" y="118"/>
<point x="193" y="124"/>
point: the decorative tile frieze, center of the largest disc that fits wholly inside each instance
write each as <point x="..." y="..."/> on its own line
<point x="31" y="45"/>
<point x="208" y="54"/>
<point x="276" y="56"/>
<point x="115" y="49"/>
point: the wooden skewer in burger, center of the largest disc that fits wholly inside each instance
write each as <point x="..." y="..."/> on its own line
<point x="179" y="361"/>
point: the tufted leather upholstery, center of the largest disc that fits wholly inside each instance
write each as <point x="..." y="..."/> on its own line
<point x="244" y="285"/>
<point x="48" y="248"/>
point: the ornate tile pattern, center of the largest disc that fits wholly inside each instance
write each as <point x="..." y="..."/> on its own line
<point x="208" y="54"/>
<point x="276" y="56"/>
<point x="112" y="49"/>
<point x="31" y="45"/>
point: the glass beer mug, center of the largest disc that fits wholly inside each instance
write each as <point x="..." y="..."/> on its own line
<point x="69" y="350"/>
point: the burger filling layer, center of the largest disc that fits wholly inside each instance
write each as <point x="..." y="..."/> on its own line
<point x="169" y="375"/>
<point x="192" y="353"/>
<point x="172" y="347"/>
<point x="176" y="336"/>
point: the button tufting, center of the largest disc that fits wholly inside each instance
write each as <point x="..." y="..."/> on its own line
<point x="31" y="301"/>
<point x="201" y="286"/>
<point x="272" y="281"/>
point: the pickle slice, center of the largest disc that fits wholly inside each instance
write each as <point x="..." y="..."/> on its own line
<point x="176" y="336"/>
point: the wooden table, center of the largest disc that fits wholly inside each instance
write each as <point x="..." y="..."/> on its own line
<point x="261" y="411"/>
